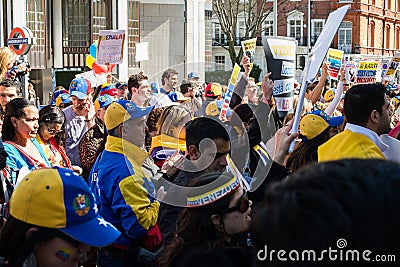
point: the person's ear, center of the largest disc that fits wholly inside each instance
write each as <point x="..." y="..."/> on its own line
<point x="14" y="122"/>
<point x="30" y="232"/>
<point x="215" y="220"/>
<point x="120" y="130"/>
<point x="194" y="153"/>
<point x="374" y="116"/>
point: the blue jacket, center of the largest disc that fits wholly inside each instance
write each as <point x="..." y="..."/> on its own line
<point x="16" y="160"/>
<point x="123" y="190"/>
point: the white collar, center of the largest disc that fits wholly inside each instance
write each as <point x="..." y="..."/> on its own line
<point x="368" y="133"/>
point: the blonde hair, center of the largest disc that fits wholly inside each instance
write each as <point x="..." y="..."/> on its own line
<point x="6" y="57"/>
<point x="171" y="117"/>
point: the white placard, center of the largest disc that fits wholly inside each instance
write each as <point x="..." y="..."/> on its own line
<point x="142" y="51"/>
<point x="324" y="40"/>
<point x="110" y="47"/>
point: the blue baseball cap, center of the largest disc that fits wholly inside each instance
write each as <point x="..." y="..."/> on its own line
<point x="57" y="94"/>
<point x="123" y="110"/>
<point x="103" y="101"/>
<point x="59" y="198"/>
<point x="79" y="87"/>
<point x="120" y="84"/>
<point x="63" y="99"/>
<point x="193" y="75"/>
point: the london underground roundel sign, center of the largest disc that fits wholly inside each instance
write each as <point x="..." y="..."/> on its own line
<point x="21" y="40"/>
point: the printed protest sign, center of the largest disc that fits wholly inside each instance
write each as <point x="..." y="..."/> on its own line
<point x="249" y="49"/>
<point x="350" y="72"/>
<point x="367" y="71"/>
<point x="334" y="58"/>
<point x="110" y="47"/>
<point x="394" y="63"/>
<point x="280" y="53"/>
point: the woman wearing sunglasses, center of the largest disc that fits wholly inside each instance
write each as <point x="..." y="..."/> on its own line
<point x="50" y="136"/>
<point x="212" y="228"/>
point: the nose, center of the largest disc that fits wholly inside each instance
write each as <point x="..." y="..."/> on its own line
<point x="223" y="161"/>
<point x="250" y="203"/>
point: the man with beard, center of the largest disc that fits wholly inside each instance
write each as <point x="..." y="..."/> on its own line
<point x="79" y="117"/>
<point x="368" y="113"/>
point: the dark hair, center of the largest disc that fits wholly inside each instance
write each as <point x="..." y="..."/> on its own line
<point x="14" y="245"/>
<point x="361" y="99"/>
<point x="184" y="88"/>
<point x="7" y="82"/>
<point x="167" y="73"/>
<point x="135" y="79"/>
<point x="357" y="200"/>
<point x="53" y="114"/>
<point x="202" y="128"/>
<point x="15" y="108"/>
<point x="194" y="224"/>
<point x="245" y="112"/>
<point x="307" y="151"/>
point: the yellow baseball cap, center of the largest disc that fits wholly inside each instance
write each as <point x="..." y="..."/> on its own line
<point x="123" y="110"/>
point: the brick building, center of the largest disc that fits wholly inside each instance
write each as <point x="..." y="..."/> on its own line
<point x="370" y="29"/>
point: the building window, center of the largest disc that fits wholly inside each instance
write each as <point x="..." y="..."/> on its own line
<point x="345" y="36"/>
<point x="219" y="62"/>
<point x="35" y="21"/>
<point x="397" y="38"/>
<point x="100" y="17"/>
<point x="295" y="29"/>
<point x="218" y="35"/>
<point x="371" y="34"/>
<point x="387" y="43"/>
<point x="133" y="35"/>
<point x="241" y="28"/>
<point x="268" y="28"/>
<point x="316" y="28"/>
<point x="76" y="25"/>
<point x="295" y="26"/>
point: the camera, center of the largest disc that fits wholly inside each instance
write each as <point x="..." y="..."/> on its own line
<point x="20" y="68"/>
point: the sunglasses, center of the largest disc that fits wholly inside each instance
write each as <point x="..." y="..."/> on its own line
<point x="53" y="131"/>
<point x="242" y="206"/>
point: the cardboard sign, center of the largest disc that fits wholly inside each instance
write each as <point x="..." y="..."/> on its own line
<point x="280" y="53"/>
<point x="334" y="58"/>
<point x="249" y="49"/>
<point x="394" y="63"/>
<point x="110" y="47"/>
<point x="367" y="72"/>
<point x="350" y="72"/>
<point x="324" y="40"/>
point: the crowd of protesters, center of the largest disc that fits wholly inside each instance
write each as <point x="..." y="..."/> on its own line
<point x="161" y="178"/>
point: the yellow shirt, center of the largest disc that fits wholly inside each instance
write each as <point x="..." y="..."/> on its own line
<point x="347" y="145"/>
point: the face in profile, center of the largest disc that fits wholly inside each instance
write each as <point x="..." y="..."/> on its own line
<point x="27" y="126"/>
